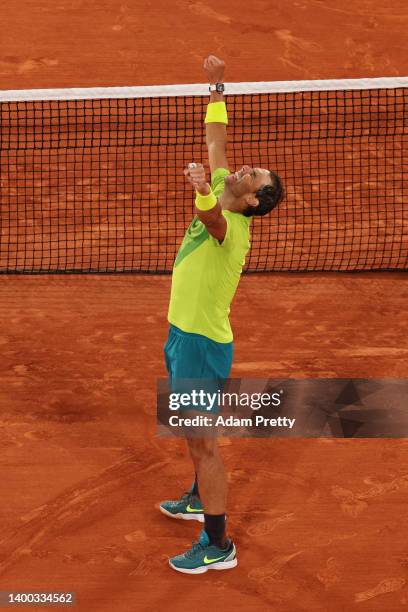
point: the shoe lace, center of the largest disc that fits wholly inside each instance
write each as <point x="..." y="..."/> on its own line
<point x="196" y="548"/>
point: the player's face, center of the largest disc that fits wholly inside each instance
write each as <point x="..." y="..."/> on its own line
<point x="247" y="180"/>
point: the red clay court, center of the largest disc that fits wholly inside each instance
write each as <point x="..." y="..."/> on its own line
<point x="319" y="524"/>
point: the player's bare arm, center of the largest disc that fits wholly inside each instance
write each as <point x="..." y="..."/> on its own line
<point x="216" y="133"/>
<point x="213" y="219"/>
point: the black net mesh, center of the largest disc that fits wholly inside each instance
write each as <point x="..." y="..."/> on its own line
<point x="97" y="185"/>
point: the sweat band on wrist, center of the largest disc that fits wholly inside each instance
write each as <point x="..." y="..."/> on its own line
<point x="205" y="202"/>
<point x="216" y="113"/>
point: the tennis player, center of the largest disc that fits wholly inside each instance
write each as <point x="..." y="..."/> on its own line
<point x="206" y="273"/>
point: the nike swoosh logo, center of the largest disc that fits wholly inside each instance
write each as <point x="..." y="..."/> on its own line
<point x="190" y="509"/>
<point x="207" y="560"/>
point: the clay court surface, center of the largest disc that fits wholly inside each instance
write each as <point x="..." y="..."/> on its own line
<point x="318" y="524"/>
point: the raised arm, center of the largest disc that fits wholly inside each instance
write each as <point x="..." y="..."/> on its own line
<point x="216" y="133"/>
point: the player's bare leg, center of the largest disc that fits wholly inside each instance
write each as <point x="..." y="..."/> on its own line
<point x="210" y="473"/>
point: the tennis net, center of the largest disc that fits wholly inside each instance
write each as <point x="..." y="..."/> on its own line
<point x="92" y="179"/>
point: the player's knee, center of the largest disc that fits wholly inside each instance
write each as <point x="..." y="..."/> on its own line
<point x="203" y="448"/>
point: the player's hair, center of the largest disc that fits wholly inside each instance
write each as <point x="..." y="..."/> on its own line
<point x="268" y="196"/>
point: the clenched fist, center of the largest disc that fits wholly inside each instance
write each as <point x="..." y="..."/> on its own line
<point x="214" y="68"/>
<point x="195" y="174"/>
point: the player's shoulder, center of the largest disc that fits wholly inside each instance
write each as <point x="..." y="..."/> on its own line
<point x="219" y="173"/>
<point x="217" y="178"/>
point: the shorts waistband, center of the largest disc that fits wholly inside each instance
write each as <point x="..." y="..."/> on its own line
<point x="184" y="334"/>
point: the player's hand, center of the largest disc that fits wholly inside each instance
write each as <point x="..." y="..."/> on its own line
<point x="195" y="174"/>
<point x="214" y="68"/>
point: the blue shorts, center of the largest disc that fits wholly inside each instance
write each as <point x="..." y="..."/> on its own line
<point x="193" y="356"/>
